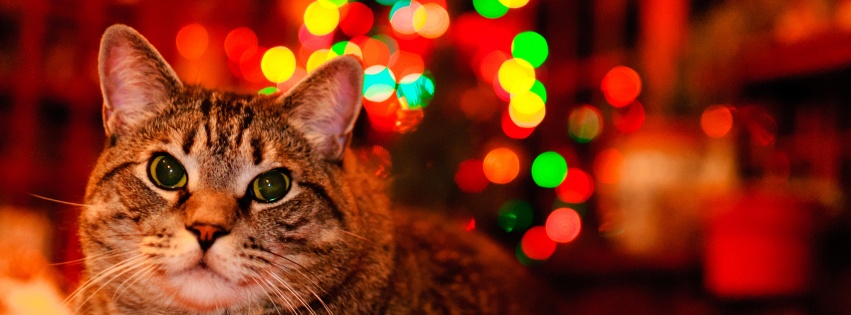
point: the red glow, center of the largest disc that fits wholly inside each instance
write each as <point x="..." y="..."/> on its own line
<point x="471" y="225"/>
<point x="608" y="165"/>
<point x="762" y="128"/>
<point x="536" y="244"/>
<point x="249" y="65"/>
<point x="576" y="188"/>
<point x="488" y="65"/>
<point x="238" y="41"/>
<point x="403" y="63"/>
<point x="621" y="86"/>
<point x="357" y="19"/>
<point x="382" y="115"/>
<point x="629" y="119"/>
<point x="563" y="225"/>
<point x="512" y="130"/>
<point x="470" y="178"/>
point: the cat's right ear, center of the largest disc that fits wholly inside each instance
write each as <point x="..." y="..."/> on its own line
<point x="134" y="78"/>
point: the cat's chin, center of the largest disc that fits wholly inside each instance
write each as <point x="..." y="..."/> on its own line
<point x="201" y="289"/>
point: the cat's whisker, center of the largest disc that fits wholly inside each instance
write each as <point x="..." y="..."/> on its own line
<point x="292" y="291"/>
<point x="122" y="265"/>
<point x="278" y="292"/>
<point x="138" y="275"/>
<point x="130" y="266"/>
<point x="266" y="291"/>
<point x="60" y="201"/>
<point x="311" y="281"/>
<point x="104" y="255"/>
<point x="355" y="235"/>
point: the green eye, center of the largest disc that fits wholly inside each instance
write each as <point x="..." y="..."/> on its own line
<point x="270" y="186"/>
<point x="167" y="172"/>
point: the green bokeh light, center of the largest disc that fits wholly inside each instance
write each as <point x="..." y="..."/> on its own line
<point x="515" y="215"/>
<point x="387" y="2"/>
<point x="491" y="9"/>
<point x="530" y="46"/>
<point x="539" y="89"/>
<point x="416" y="89"/>
<point x="340" y="47"/>
<point x="268" y="91"/>
<point x="549" y="169"/>
<point x="338" y="3"/>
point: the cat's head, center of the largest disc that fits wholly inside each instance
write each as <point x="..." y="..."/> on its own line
<point x="204" y="199"/>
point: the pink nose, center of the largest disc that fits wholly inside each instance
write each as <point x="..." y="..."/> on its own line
<point x="206" y="234"/>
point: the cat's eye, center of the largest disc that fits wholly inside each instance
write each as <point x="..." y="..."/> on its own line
<point x="270" y="186"/>
<point x="166" y="172"/>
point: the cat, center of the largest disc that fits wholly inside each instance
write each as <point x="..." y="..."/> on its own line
<point x="212" y="202"/>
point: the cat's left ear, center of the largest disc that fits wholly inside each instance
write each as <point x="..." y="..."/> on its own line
<point x="325" y="105"/>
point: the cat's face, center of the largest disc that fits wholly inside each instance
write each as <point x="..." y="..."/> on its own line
<point x="205" y="200"/>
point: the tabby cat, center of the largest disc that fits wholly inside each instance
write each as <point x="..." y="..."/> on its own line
<point x="210" y="202"/>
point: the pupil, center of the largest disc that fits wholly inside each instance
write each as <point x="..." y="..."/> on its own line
<point x="272" y="185"/>
<point x="169" y="172"/>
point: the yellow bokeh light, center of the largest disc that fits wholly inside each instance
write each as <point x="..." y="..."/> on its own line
<point x="351" y="49"/>
<point x="514" y="4"/>
<point x="278" y="64"/>
<point x="527" y="110"/>
<point x="516" y="75"/>
<point x="316" y="59"/>
<point x="321" y="17"/>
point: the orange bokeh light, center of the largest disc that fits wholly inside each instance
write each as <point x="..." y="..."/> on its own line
<point x="716" y="121"/>
<point x="238" y="41"/>
<point x="621" y="86"/>
<point x="501" y="166"/>
<point x="403" y="63"/>
<point x="608" y="165"/>
<point x="192" y="41"/>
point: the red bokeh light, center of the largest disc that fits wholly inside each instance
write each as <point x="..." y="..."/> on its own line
<point x="488" y="65"/>
<point x="249" y="65"/>
<point x="238" y="42"/>
<point x="536" y="244"/>
<point x="512" y="130"/>
<point x="716" y="121"/>
<point x="192" y="41"/>
<point x="356" y="19"/>
<point x="576" y="188"/>
<point x="621" y="86"/>
<point x="630" y="118"/>
<point x="470" y="178"/>
<point x="563" y="225"/>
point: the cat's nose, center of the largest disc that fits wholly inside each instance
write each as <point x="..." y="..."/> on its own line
<point x="206" y="234"/>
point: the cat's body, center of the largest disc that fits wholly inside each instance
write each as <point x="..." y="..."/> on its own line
<point x="206" y="202"/>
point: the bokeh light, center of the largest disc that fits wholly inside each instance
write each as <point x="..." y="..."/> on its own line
<point x="268" y="90"/>
<point x="549" y="169"/>
<point x="512" y="130"/>
<point x="316" y="59"/>
<point x="345" y="48"/>
<point x="489" y="65"/>
<point x="501" y="165"/>
<point x="491" y="9"/>
<point x="716" y="121"/>
<point x="379" y="83"/>
<point x="192" y="41"/>
<point x="577" y="187"/>
<point x="630" y="118"/>
<point x="321" y="17"/>
<point x="402" y="17"/>
<point x="608" y="165"/>
<point x="540" y="90"/>
<point x="382" y="115"/>
<point x="403" y="63"/>
<point x="470" y="178"/>
<point x="249" y="65"/>
<point x="238" y="41"/>
<point x="536" y="244"/>
<point x="526" y="109"/>
<point x="375" y="52"/>
<point x="585" y="123"/>
<point x="415" y="91"/>
<point x="563" y="225"/>
<point x="357" y="19"/>
<point x="516" y="75"/>
<point x="431" y="20"/>
<point x="278" y="64"/>
<point x="621" y="86"/>
<point x="313" y="42"/>
<point x="336" y="3"/>
<point x="514" y="4"/>
<point x="515" y="215"/>
<point x="530" y="46"/>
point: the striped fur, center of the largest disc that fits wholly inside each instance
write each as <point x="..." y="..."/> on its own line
<point x="331" y="245"/>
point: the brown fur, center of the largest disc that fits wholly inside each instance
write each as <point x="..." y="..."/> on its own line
<point x="332" y="245"/>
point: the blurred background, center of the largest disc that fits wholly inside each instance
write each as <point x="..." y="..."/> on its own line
<point x="644" y="157"/>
